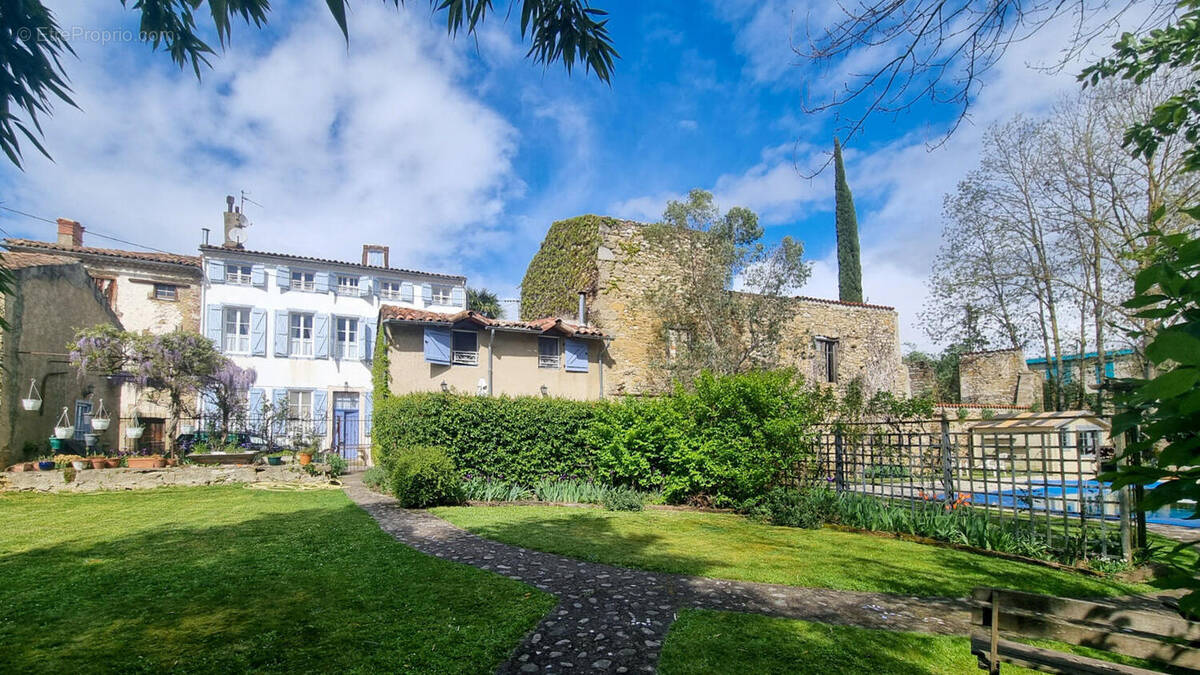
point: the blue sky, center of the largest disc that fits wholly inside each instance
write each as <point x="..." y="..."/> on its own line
<point x="459" y="153"/>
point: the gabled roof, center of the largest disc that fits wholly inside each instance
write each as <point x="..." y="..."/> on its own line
<point x="543" y="325"/>
<point x="15" y="260"/>
<point x="221" y="251"/>
<point x="141" y="256"/>
<point x="1043" y="421"/>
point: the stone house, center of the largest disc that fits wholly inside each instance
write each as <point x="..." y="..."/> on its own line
<point x="147" y="291"/>
<point x="53" y="296"/>
<point x="611" y="262"/>
<point x="466" y="352"/>
<point x="998" y="377"/>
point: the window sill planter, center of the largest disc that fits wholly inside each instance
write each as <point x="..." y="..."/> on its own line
<point x="45" y="466"/>
<point x="145" y="462"/>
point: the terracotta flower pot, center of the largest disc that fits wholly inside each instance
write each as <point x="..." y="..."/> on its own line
<point x="98" y="462"/>
<point x="145" y="462"/>
<point x="22" y="467"/>
<point x="172" y="462"/>
<point x="305" y="458"/>
<point x="112" y="463"/>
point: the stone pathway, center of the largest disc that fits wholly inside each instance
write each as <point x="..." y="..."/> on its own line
<point x="613" y="619"/>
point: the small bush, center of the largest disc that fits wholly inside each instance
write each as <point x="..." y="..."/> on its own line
<point x="808" y="509"/>
<point x="425" y="476"/>
<point x="375" y="478"/>
<point x="337" y="464"/>
<point x="623" y="499"/>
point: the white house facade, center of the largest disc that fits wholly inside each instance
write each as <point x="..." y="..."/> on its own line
<point x="308" y="326"/>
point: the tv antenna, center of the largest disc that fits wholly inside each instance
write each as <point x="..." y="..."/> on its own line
<point x="245" y="199"/>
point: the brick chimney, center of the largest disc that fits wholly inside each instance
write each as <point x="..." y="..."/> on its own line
<point x="375" y="255"/>
<point x="70" y="232"/>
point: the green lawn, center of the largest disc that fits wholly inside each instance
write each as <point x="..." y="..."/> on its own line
<point x="731" y="547"/>
<point x="228" y="579"/>
<point x="712" y="642"/>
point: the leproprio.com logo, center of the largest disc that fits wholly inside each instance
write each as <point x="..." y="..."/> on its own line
<point x="85" y="34"/>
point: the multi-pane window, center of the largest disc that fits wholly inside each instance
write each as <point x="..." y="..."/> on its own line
<point x="237" y="330"/>
<point x="464" y="349"/>
<point x="389" y="290"/>
<point x="548" y="352"/>
<point x="165" y="292"/>
<point x="441" y="294"/>
<point x="237" y="274"/>
<point x="304" y="281"/>
<point x="826" y="365"/>
<point x="1089" y="442"/>
<point x="301" y="332"/>
<point x="375" y="257"/>
<point x="347" y="338"/>
<point x="299" y="412"/>
<point x="347" y="285"/>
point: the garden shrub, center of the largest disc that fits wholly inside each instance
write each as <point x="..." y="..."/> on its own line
<point x="808" y="509"/>
<point x="337" y="464"/>
<point x="726" y="439"/>
<point x="424" y="476"/>
<point x="375" y="478"/>
<point x="623" y="499"/>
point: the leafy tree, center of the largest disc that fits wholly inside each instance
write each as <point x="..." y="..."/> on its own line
<point x="848" y="254"/>
<point x="708" y="325"/>
<point x="485" y="302"/>
<point x="32" y="74"/>
<point x="1162" y="415"/>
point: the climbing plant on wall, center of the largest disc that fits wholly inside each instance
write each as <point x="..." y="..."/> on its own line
<point x="562" y="267"/>
<point x="380" y="366"/>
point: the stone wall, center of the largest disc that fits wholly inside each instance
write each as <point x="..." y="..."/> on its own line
<point x="49" y="305"/>
<point x="95" y="480"/>
<point x="998" y="377"/>
<point x="922" y="378"/>
<point x="628" y="267"/>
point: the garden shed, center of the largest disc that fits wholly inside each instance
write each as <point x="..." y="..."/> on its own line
<point x="1068" y="442"/>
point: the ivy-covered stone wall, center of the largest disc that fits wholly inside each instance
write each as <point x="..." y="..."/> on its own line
<point x="563" y="266"/>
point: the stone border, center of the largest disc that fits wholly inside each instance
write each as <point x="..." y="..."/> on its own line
<point x="96" y="480"/>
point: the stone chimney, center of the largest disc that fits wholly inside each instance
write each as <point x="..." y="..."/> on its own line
<point x="375" y="255"/>
<point x="70" y="232"/>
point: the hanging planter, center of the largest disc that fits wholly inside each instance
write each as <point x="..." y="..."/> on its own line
<point x="101" y="418"/>
<point x="135" y="428"/>
<point x="90" y="439"/>
<point x="33" y="402"/>
<point x="63" y="429"/>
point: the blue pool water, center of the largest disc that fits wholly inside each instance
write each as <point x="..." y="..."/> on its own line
<point x="1048" y="496"/>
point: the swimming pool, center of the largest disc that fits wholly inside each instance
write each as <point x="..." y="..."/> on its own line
<point x="1098" y="500"/>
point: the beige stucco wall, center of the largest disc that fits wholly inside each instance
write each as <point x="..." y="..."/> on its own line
<point x="628" y="267"/>
<point x="515" y="369"/>
<point x="139" y="310"/>
<point x="49" y="305"/>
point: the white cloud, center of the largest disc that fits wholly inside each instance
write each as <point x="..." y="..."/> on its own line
<point x="379" y="141"/>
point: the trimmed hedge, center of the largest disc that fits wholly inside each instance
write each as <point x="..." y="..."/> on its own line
<point x="726" y="440"/>
<point x="423" y="476"/>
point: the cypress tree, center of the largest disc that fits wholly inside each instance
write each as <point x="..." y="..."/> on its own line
<point x="849" y="265"/>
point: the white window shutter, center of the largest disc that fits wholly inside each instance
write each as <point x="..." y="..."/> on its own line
<point x="258" y="275"/>
<point x="406" y="291"/>
<point x="213" y="326"/>
<point x="283" y="277"/>
<point x="281" y="332"/>
<point x="216" y="271"/>
<point x="427" y="294"/>
<point x="458" y="296"/>
<point x="321" y="336"/>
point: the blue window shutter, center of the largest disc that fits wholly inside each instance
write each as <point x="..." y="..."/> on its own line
<point x="364" y="286"/>
<point x="258" y="332"/>
<point x="366" y="338"/>
<point x="368" y="412"/>
<point x="1110" y="369"/>
<point x="427" y="294"/>
<point x="213" y="328"/>
<point x="257" y="395"/>
<point x="216" y="271"/>
<point x="321" y="336"/>
<point x="406" y="291"/>
<point x="281" y="332"/>
<point x="318" y="411"/>
<point x="258" y="275"/>
<point x="437" y="345"/>
<point x="458" y="297"/>
<point x="279" y="399"/>
<point x="576" y="352"/>
<point x="283" y="277"/>
<point x="321" y="281"/>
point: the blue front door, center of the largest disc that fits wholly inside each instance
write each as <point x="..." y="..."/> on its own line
<point x="345" y="425"/>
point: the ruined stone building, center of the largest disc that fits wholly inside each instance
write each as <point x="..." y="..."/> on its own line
<point x="998" y="377"/>
<point x="611" y="263"/>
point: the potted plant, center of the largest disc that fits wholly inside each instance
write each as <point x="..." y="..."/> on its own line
<point x="81" y="464"/>
<point x="57" y="443"/>
<point x="110" y="461"/>
<point x="135" y="428"/>
<point x="98" y="462"/>
<point x="100" y="419"/>
<point x="63" y="429"/>
<point x="21" y="467"/>
<point x="64" y="461"/>
<point x="275" y="459"/>
<point x="306" y="454"/>
<point x="45" y="463"/>
<point x="145" y="462"/>
<point x="32" y="402"/>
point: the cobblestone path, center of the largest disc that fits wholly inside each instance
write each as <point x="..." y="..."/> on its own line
<point x="613" y="619"/>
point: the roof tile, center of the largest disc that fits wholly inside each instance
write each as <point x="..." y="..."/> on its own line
<point x="540" y="325"/>
<point x="147" y="256"/>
